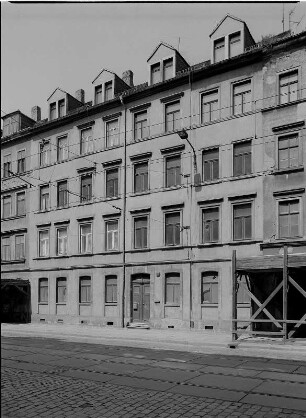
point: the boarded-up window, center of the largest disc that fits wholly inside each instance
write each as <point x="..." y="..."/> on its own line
<point x="111" y="289"/>
<point x="173" y="288"/>
<point x="209" y="287"/>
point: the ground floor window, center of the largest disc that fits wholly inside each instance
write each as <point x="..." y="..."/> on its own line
<point x="209" y="287"/>
<point x="43" y="290"/>
<point x="111" y="289"/>
<point x="61" y="290"/>
<point x="173" y="288"/>
<point x="85" y="289"/>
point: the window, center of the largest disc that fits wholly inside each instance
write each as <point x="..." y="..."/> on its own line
<point x="209" y="287"/>
<point x="112" y="182"/>
<point x="44" y="241"/>
<point x="61" y="290"/>
<point x="108" y="91"/>
<point x="85" y="289"/>
<point x="20" y="204"/>
<point x="86" y="188"/>
<point x="155" y="73"/>
<point x="85" y="238"/>
<point x="61" y="108"/>
<point x="7" y="166"/>
<point x="289" y="218"/>
<point x="112" y="235"/>
<point x="43" y="290"/>
<point x="61" y="241"/>
<point x="242" y="158"/>
<point x="173" y="228"/>
<point x="211" y="164"/>
<point x="288" y="151"/>
<point x="219" y="50"/>
<point x="52" y="111"/>
<point x="6" y="249"/>
<point x="87" y="144"/>
<point x="173" y="289"/>
<point x="141" y="183"/>
<point x="173" y="171"/>
<point x="242" y="100"/>
<point x="210" y="219"/>
<point x="7" y="206"/>
<point x="141" y="232"/>
<point x="242" y="221"/>
<point x="21" y="161"/>
<point x="288" y="87"/>
<point x="45" y="151"/>
<point x="141" y="129"/>
<point x="112" y="133"/>
<point x="168" y="69"/>
<point x="62" y="193"/>
<point x="19" y="247"/>
<point x="44" y="198"/>
<point x="234" y="44"/>
<point x="62" y="148"/>
<point x="98" y="94"/>
<point x="111" y="289"/>
<point x="172" y="116"/>
<point x="210" y="106"/>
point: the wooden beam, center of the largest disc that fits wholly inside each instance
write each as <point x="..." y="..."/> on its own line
<point x="285" y="290"/>
<point x="265" y="303"/>
<point x="298" y="287"/>
<point x="274" y="320"/>
<point x="234" y="297"/>
<point x="297" y="325"/>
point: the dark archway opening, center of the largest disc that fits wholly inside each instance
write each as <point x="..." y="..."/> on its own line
<point x="15" y="301"/>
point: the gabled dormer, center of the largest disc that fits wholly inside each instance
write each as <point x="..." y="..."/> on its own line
<point x="15" y="122"/>
<point x="229" y="38"/>
<point x="107" y="85"/>
<point x="164" y="63"/>
<point x="60" y="103"/>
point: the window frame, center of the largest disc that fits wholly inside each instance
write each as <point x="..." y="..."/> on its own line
<point x="222" y="38"/>
<point x="253" y="223"/>
<point x="7" y="171"/>
<point x="43" y="301"/>
<point x="230" y="37"/>
<point x="107" y="89"/>
<point x="24" y="204"/>
<point x="107" y="122"/>
<point x="169" y="212"/>
<point x="299" y="146"/>
<point x="42" y="162"/>
<point x="98" y="90"/>
<point x="135" y="163"/>
<point x="24" y="249"/>
<point x="166" y="105"/>
<point x="82" y="197"/>
<point x="233" y="95"/>
<point x="168" y="275"/>
<point x="61" y="108"/>
<point x="283" y="74"/>
<point x="57" y="301"/>
<point x="135" y="218"/>
<point x="166" y="158"/>
<point x="9" y="246"/>
<point x="40" y="231"/>
<point x="107" y="171"/>
<point x="4" y="215"/>
<point x="208" y="273"/>
<point x="289" y="198"/>
<point x="114" y="293"/>
<point x="59" y="228"/>
<point x="106" y="243"/>
<point x="88" y="301"/>
<point x="40" y="198"/>
<point x="206" y="151"/>
<point x="81" y="224"/>
<point x="152" y="66"/>
<point x="59" y="149"/>
<point x="237" y="144"/>
<point x="207" y="93"/>
<point x="202" y="210"/>
<point x="23" y="161"/>
<point x="92" y="141"/>
<point x="66" y="194"/>
<point x="134" y="125"/>
<point x="52" y="108"/>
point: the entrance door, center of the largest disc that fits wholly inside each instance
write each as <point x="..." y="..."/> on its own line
<point x="141" y="298"/>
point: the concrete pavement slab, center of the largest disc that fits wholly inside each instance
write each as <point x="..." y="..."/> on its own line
<point x="177" y="365"/>
<point x="92" y="376"/>
<point x="268" y="365"/>
<point x="294" y="390"/>
<point x="73" y="363"/>
<point x="131" y="360"/>
<point x="211" y="361"/>
<point x="116" y="368"/>
<point x="226" y="382"/>
<point x="166" y="375"/>
<point x="7" y="353"/>
<point x="289" y="377"/>
<point x="275" y="402"/>
<point x="227" y="395"/>
<point x="141" y="383"/>
<point x="229" y="371"/>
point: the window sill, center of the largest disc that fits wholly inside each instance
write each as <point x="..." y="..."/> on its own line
<point x="172" y="305"/>
<point x="62" y="207"/>
<point x="43" y="303"/>
<point x="84" y="254"/>
<point x="281" y="242"/>
<point x="43" y="211"/>
<point x="87" y="202"/>
<point x="10" y="218"/>
<point x="210" y="244"/>
<point x="169" y="188"/>
<point x="209" y="182"/>
<point x="242" y="177"/>
<point x="13" y="261"/>
<point x="244" y="242"/>
<point x="140" y="193"/>
<point x="42" y="258"/>
<point x="110" y="303"/>
<point x="139" y="250"/>
<point x="280" y="106"/>
<point x="172" y="247"/>
<point x="111" y="198"/>
<point x="288" y="170"/>
<point x="61" y="304"/>
<point x="61" y="256"/>
<point x="85" y="303"/>
<point x="209" y="305"/>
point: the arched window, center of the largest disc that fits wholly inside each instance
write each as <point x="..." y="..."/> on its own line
<point x="173" y="288"/>
<point x="209" y="287"/>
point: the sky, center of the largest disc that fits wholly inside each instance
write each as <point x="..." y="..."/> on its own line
<point x="44" y="46"/>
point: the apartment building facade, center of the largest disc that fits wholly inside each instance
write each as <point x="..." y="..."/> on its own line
<point x="130" y="206"/>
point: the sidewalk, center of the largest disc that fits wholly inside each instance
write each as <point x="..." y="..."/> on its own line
<point x="166" y="339"/>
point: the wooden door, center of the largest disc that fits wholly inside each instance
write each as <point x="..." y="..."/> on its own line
<point x="140" y="299"/>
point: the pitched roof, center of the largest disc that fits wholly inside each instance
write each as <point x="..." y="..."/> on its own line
<point x="222" y="20"/>
<point x="103" y="69"/>
<point x="57" y="88"/>
<point x="167" y="46"/>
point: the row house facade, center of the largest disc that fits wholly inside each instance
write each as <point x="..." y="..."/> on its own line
<point x="128" y="208"/>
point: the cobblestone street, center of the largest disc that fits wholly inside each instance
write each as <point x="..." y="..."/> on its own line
<point x="52" y="378"/>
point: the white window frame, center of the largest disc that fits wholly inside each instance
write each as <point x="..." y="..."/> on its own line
<point x="24" y="249"/>
<point x="134" y="125"/>
<point x="169" y="212"/>
<point x="80" y="237"/>
<point x="283" y="73"/>
<point x="202" y="209"/>
<point x="39" y="242"/>
<point x="233" y="84"/>
<point x="106" y="137"/>
<point x="45" y="153"/>
<point x="25" y="209"/>
<point x="180" y="123"/>
<point x="11" y="206"/>
<point x="18" y="159"/>
<point x="66" y="148"/>
<point x="287" y="198"/>
<point x="134" y="219"/>
<point x="10" y="248"/>
<point x="253" y="220"/>
<point x="59" y="228"/>
<point x="108" y="221"/>
<point x="207" y="92"/>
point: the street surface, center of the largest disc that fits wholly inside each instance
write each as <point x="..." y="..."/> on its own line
<point x="48" y="377"/>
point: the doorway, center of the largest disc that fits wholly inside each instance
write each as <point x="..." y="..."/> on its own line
<point x="15" y="301"/>
<point x="140" y="298"/>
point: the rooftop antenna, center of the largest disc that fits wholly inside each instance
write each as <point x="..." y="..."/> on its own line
<point x="283" y="20"/>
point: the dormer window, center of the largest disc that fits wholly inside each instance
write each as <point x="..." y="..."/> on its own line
<point x="219" y="50"/>
<point x="52" y="111"/>
<point x="168" y="69"/>
<point x="234" y="44"/>
<point x="61" y="108"/>
<point x="98" y="94"/>
<point x="108" y="90"/>
<point x="155" y="73"/>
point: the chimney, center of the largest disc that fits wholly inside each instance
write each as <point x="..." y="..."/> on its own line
<point x="80" y="95"/>
<point x="127" y="77"/>
<point x="36" y="113"/>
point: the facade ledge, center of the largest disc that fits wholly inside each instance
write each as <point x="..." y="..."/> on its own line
<point x="209" y="305"/>
<point x="42" y="258"/>
<point x="211" y="182"/>
<point x="6" y="262"/>
<point x="110" y="303"/>
<point x="280" y="106"/>
<point x="10" y="218"/>
<point x="139" y="250"/>
<point x="210" y="244"/>
<point x="288" y="170"/>
<point x="243" y="177"/>
<point x="279" y="244"/>
<point x="246" y="242"/>
<point x="172" y="305"/>
<point x="13" y="188"/>
<point x="140" y="193"/>
<point x="168" y="189"/>
<point x="171" y="248"/>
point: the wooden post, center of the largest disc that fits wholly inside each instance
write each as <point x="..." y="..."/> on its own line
<point x="285" y="293"/>
<point x="234" y="297"/>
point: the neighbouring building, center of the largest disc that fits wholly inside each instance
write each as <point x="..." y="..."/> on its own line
<point x="134" y="201"/>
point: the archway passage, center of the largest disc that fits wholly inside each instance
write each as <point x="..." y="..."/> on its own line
<point x="15" y="301"/>
<point x="140" y="297"/>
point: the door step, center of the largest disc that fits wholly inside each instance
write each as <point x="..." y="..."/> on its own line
<point x="140" y="325"/>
